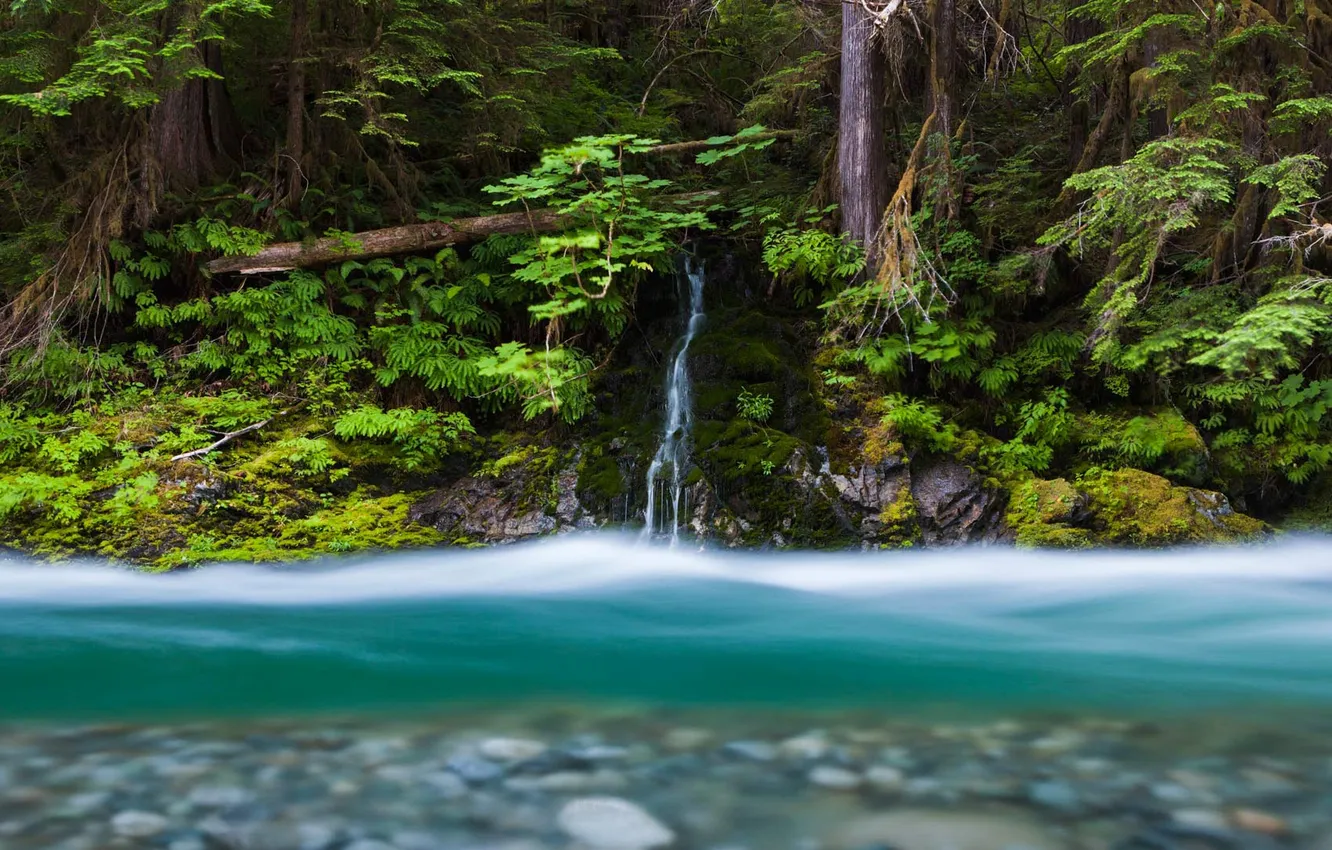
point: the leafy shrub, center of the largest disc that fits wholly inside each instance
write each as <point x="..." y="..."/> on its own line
<point x="756" y="407"/>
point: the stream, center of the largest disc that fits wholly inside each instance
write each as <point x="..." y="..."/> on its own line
<point x="592" y="691"/>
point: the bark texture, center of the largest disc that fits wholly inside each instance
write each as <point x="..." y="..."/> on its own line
<point x="192" y="130"/>
<point x="943" y="65"/>
<point x="861" y="159"/>
<point x="295" y="152"/>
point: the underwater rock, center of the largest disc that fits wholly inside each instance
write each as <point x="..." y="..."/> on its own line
<point x="835" y="778"/>
<point x="610" y="823"/>
<point x="885" y="777"/>
<point x="511" y="749"/>
<point x="135" y="824"/>
<point x="923" y="829"/>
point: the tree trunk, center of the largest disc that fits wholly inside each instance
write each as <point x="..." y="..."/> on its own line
<point x="1079" y="109"/>
<point x="1158" y="118"/>
<point x="943" y="78"/>
<point x="192" y="130"/>
<point x="295" y="152"/>
<point x="943" y="65"/>
<point x="861" y="161"/>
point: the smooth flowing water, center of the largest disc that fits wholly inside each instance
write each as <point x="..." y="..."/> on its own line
<point x="969" y="699"/>
<point x="670" y="463"/>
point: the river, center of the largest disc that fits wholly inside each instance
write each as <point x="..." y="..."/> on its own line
<point x="958" y="699"/>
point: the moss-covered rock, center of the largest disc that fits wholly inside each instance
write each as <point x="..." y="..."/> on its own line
<point x="1125" y="507"/>
<point x="1042" y="514"/>
<point x="1137" y="508"/>
<point x="529" y="490"/>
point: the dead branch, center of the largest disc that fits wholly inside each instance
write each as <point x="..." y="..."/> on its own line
<point x="224" y="439"/>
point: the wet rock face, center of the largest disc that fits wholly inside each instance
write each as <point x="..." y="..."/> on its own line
<point x="874" y="487"/>
<point x="954" y="506"/>
<point x="513" y="506"/>
<point x="482" y="510"/>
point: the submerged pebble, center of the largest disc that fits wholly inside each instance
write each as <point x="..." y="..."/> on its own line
<point x="835" y="778"/>
<point x="511" y="749"/>
<point x="610" y="823"/>
<point x="135" y="824"/>
<point x="626" y="781"/>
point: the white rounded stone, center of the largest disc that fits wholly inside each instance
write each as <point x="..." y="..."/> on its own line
<point x="835" y="778"/>
<point x="610" y="823"/>
<point x="511" y="749"/>
<point x="135" y="824"/>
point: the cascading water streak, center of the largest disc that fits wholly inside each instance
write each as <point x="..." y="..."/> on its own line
<point x="668" y="468"/>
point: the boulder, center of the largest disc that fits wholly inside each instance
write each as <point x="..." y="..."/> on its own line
<point x="483" y="510"/>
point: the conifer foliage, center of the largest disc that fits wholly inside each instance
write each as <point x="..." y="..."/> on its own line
<point x="1084" y="230"/>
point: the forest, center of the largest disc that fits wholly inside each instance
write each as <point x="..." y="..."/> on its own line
<point x="287" y="277"/>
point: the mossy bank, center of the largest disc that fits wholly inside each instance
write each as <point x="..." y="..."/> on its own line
<point x="788" y="450"/>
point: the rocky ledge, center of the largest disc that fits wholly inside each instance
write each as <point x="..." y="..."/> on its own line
<point x="890" y="501"/>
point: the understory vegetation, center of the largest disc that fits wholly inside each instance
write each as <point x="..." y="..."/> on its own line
<point x="272" y="270"/>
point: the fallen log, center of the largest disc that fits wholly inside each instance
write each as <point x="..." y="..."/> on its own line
<point x="403" y="239"/>
<point x="430" y="235"/>
<point x="389" y="241"/>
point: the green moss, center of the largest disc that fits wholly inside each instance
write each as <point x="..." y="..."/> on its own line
<point x="1137" y="508"/>
<point x="1125" y="507"/>
<point x="360" y="521"/>
<point x="899" y="526"/>
<point x="601" y="476"/>
<point x="880" y="444"/>
<point x="1039" y="515"/>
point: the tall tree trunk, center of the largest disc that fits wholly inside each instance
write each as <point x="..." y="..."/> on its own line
<point x="861" y="160"/>
<point x="294" y="155"/>
<point x="192" y="129"/>
<point x="1158" y="118"/>
<point x="943" y="65"/>
<point x="190" y="137"/>
<point x="1077" y="29"/>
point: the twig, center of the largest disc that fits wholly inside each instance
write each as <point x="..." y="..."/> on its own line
<point x="226" y="438"/>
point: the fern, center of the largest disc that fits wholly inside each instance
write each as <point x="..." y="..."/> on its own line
<point x="422" y="438"/>
<point x="916" y="420"/>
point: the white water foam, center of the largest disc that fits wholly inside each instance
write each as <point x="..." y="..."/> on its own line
<point x="996" y="578"/>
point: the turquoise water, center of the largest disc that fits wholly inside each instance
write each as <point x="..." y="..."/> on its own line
<point x="596" y="693"/>
<point x="605" y="619"/>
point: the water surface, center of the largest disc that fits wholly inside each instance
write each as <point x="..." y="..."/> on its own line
<point x="965" y="699"/>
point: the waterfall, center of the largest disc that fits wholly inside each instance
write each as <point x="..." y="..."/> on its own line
<point x="669" y="464"/>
